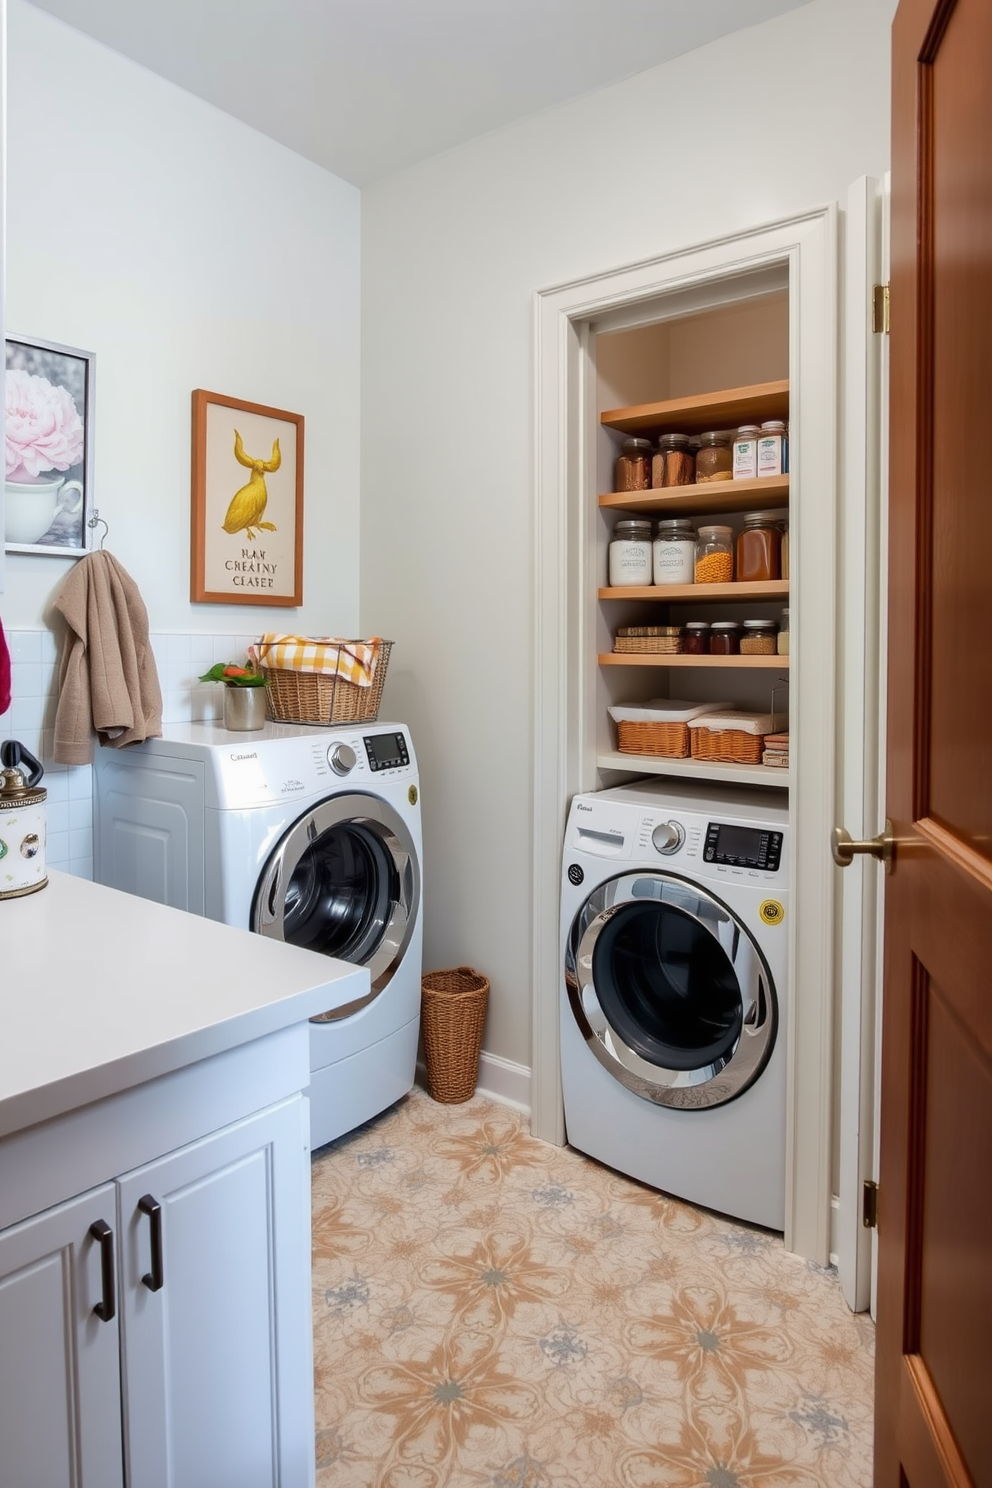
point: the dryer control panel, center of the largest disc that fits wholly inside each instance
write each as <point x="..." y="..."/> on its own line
<point x="743" y="847"/>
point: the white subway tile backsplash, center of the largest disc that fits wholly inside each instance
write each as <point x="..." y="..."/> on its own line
<point x="180" y="660"/>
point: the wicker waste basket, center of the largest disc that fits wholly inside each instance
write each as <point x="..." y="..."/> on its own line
<point x="452" y="1011"/>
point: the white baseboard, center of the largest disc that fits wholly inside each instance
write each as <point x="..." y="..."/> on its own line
<point x="498" y="1079"/>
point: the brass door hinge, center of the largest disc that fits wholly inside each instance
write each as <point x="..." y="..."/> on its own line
<point x="880" y="309"/>
<point x="869" y="1204"/>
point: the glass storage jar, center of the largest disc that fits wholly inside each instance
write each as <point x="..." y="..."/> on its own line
<point x="759" y="548"/>
<point x="631" y="557"/>
<point x="696" y="640"/>
<point x="674" y="464"/>
<point x="724" y="638"/>
<point x="632" y="471"/>
<point x="783" y="527"/>
<point x="714" y="460"/>
<point x="783" y="634"/>
<point x="773" y="448"/>
<point x="745" y="449"/>
<point x="714" y="556"/>
<point x="674" y="551"/>
<point x="759" y="638"/>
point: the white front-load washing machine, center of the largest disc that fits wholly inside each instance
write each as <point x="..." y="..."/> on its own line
<point x="305" y="834"/>
<point x="674" y="990"/>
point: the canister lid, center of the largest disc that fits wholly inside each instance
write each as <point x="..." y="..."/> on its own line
<point x="714" y="531"/>
<point x="725" y="625"/>
<point x="673" y="441"/>
<point x="636" y="446"/>
<point x="697" y="625"/>
<point x="759" y="624"/>
<point x="748" y="431"/>
<point x="762" y="519"/>
<point x="773" y="426"/>
<point x="714" y="437"/>
<point x="673" y="526"/>
<point x="632" y="527"/>
<point x="14" y="788"/>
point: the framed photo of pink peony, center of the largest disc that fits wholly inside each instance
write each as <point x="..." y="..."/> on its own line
<point x="247" y="503"/>
<point x="48" y="489"/>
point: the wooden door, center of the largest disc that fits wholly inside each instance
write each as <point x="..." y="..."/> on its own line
<point x="934" y="1373"/>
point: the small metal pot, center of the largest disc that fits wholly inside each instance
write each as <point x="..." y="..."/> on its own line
<point x="244" y="708"/>
<point x="22" y="822"/>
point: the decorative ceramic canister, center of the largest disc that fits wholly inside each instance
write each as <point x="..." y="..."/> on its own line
<point x="22" y="822"/>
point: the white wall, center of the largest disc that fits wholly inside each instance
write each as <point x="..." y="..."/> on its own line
<point x="186" y="251"/>
<point x="759" y="126"/>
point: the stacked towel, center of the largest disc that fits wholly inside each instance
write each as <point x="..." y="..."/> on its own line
<point x="776" y="750"/>
<point x="107" y="677"/>
<point x="354" y="661"/>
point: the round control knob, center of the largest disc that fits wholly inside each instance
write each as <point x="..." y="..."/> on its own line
<point x="342" y="758"/>
<point x="668" y="837"/>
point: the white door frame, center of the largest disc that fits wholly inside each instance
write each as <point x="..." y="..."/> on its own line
<point x="565" y="655"/>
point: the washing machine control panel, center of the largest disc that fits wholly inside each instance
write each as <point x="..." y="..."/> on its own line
<point x="386" y="751"/>
<point x="668" y="837"/>
<point x="743" y="847"/>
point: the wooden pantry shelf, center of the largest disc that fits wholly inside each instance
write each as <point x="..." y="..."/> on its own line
<point x="766" y="491"/>
<point x="649" y="764"/>
<point x="661" y="659"/>
<point x="774" y="589"/>
<point x="723" y="410"/>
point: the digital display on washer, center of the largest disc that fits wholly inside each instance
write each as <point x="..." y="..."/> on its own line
<point x="743" y="847"/>
<point x="386" y="751"/>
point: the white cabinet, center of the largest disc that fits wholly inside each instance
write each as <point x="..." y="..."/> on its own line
<point x="155" y="1330"/>
<point x="59" y="1362"/>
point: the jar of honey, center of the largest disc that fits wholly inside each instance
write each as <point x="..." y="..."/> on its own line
<point x="759" y="549"/>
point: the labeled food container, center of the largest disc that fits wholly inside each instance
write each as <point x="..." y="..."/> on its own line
<point x="745" y="450"/>
<point x="725" y="638"/>
<point x="632" y="471"/>
<point x="714" y="459"/>
<point x="759" y="638"/>
<point x="674" y="464"/>
<point x="759" y="548"/>
<point x="773" y="448"/>
<point x="631" y="558"/>
<point x="674" y="551"/>
<point x="696" y="638"/>
<point x="714" y="555"/>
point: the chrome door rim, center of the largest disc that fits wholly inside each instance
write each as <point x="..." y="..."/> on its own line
<point x="708" y="1085"/>
<point x="378" y="817"/>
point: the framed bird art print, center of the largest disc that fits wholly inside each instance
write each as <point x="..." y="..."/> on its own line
<point x="247" y="503"/>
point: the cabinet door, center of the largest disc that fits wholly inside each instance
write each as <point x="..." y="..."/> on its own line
<point x="60" y="1404"/>
<point x="217" y="1341"/>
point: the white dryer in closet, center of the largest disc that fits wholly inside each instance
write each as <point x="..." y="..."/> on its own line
<point x="304" y="834"/>
<point x="674" y="990"/>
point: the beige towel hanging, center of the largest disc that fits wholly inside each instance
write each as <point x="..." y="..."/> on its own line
<point x="108" y="684"/>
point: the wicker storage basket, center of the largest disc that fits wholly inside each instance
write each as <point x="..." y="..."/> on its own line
<point x="733" y="738"/>
<point x="452" y="1012"/>
<point x="318" y="697"/>
<point x="731" y="746"/>
<point x="669" y="739"/>
<point x="663" y="639"/>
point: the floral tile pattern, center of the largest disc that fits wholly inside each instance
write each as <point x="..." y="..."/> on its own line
<point x="494" y="1312"/>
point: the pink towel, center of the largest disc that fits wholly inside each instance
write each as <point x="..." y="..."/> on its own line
<point x="4" y="672"/>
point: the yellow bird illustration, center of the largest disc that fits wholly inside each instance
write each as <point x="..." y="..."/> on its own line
<point x="248" y="504"/>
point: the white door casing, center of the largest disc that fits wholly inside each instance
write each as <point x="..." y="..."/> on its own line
<point x="565" y="510"/>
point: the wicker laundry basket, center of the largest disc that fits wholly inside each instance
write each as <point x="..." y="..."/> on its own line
<point x="324" y="697"/>
<point x="452" y="1013"/>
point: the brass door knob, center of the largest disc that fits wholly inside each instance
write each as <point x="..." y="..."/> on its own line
<point x="843" y="847"/>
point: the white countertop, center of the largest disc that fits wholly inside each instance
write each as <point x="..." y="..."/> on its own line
<point x="101" y="990"/>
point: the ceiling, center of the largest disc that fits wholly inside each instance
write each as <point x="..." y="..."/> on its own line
<point x="368" y="87"/>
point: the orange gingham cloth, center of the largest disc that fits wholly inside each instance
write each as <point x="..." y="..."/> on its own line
<point x="354" y="661"/>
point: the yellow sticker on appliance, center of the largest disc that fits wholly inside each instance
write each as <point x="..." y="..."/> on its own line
<point x="772" y="912"/>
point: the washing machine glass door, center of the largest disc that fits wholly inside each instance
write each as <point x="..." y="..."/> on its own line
<point x="670" y="991"/>
<point x="345" y="881"/>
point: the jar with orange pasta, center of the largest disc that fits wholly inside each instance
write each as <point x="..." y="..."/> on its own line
<point x="714" y="555"/>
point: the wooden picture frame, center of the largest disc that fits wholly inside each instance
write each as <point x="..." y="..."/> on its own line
<point x="247" y="503"/>
<point x="48" y="489"/>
